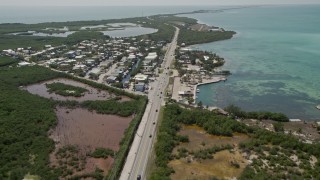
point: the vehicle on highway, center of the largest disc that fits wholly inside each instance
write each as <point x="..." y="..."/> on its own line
<point x="156" y="110"/>
<point x="154" y="122"/>
<point x="139" y="177"/>
<point x="150" y="136"/>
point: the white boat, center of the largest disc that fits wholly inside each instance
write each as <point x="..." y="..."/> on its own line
<point x="318" y="107"/>
<point x="198" y="90"/>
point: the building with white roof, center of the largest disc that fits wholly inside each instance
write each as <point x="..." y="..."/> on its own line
<point x="151" y="56"/>
<point x="140" y="78"/>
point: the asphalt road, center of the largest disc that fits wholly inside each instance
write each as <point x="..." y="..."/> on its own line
<point x="147" y="135"/>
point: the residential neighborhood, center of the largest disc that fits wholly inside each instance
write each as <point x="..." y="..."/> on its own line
<point x="128" y="63"/>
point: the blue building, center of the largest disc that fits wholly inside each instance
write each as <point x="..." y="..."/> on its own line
<point x="140" y="87"/>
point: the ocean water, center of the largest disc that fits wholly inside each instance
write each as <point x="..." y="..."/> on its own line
<point x="274" y="60"/>
<point x="38" y="14"/>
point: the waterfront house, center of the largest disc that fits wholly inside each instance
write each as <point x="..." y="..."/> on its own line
<point x="185" y="93"/>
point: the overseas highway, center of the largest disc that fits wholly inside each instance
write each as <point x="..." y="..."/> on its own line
<point x="137" y="160"/>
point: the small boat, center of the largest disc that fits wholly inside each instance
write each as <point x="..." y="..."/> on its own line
<point x="318" y="107"/>
<point x="198" y="90"/>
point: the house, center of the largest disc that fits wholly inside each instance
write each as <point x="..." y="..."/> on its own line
<point x="80" y="66"/>
<point x="140" y="87"/>
<point x="131" y="57"/>
<point x="47" y="46"/>
<point x="9" y="52"/>
<point x="185" y="93"/>
<point x="71" y="54"/>
<point x="90" y="62"/>
<point x="80" y="57"/>
<point x="140" y="78"/>
<point x="151" y="56"/>
<point x="24" y="64"/>
<point x="148" y="68"/>
<point x="111" y="79"/>
<point x="126" y="84"/>
<point x="78" y="52"/>
<point x="95" y="71"/>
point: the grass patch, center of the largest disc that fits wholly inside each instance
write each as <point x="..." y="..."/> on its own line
<point x="66" y="90"/>
<point x="5" y="61"/>
<point x="102" y="153"/>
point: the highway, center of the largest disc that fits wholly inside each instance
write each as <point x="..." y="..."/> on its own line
<point x="141" y="148"/>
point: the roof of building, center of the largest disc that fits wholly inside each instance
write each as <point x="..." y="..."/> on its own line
<point x="131" y="56"/>
<point x="185" y="93"/>
<point x="112" y="78"/>
<point x="141" y="77"/>
<point x="23" y="63"/>
<point x="96" y="71"/>
<point x="140" y="84"/>
<point x="151" y="56"/>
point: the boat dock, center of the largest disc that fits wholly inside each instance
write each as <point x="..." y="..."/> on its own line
<point x="212" y="80"/>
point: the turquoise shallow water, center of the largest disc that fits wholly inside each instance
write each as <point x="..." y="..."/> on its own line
<point x="274" y="58"/>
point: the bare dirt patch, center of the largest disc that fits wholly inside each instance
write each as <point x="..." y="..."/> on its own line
<point x="89" y="129"/>
<point x="92" y="94"/>
<point x="221" y="166"/>
<point x="218" y="167"/>
<point x="198" y="137"/>
<point x="85" y="131"/>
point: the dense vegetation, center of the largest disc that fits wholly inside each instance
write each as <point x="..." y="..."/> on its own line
<point x="38" y="42"/>
<point x="24" y="123"/>
<point x="279" y="161"/>
<point x="65" y="89"/>
<point x="102" y="153"/>
<point x="190" y="37"/>
<point x="280" y="146"/>
<point x="5" y="61"/>
<point x="124" y="109"/>
<point x="25" y="120"/>
<point x="165" y="32"/>
<point x="237" y="112"/>
<point x="84" y="35"/>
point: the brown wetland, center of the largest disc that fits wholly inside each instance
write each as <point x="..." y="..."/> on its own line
<point x="87" y="131"/>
